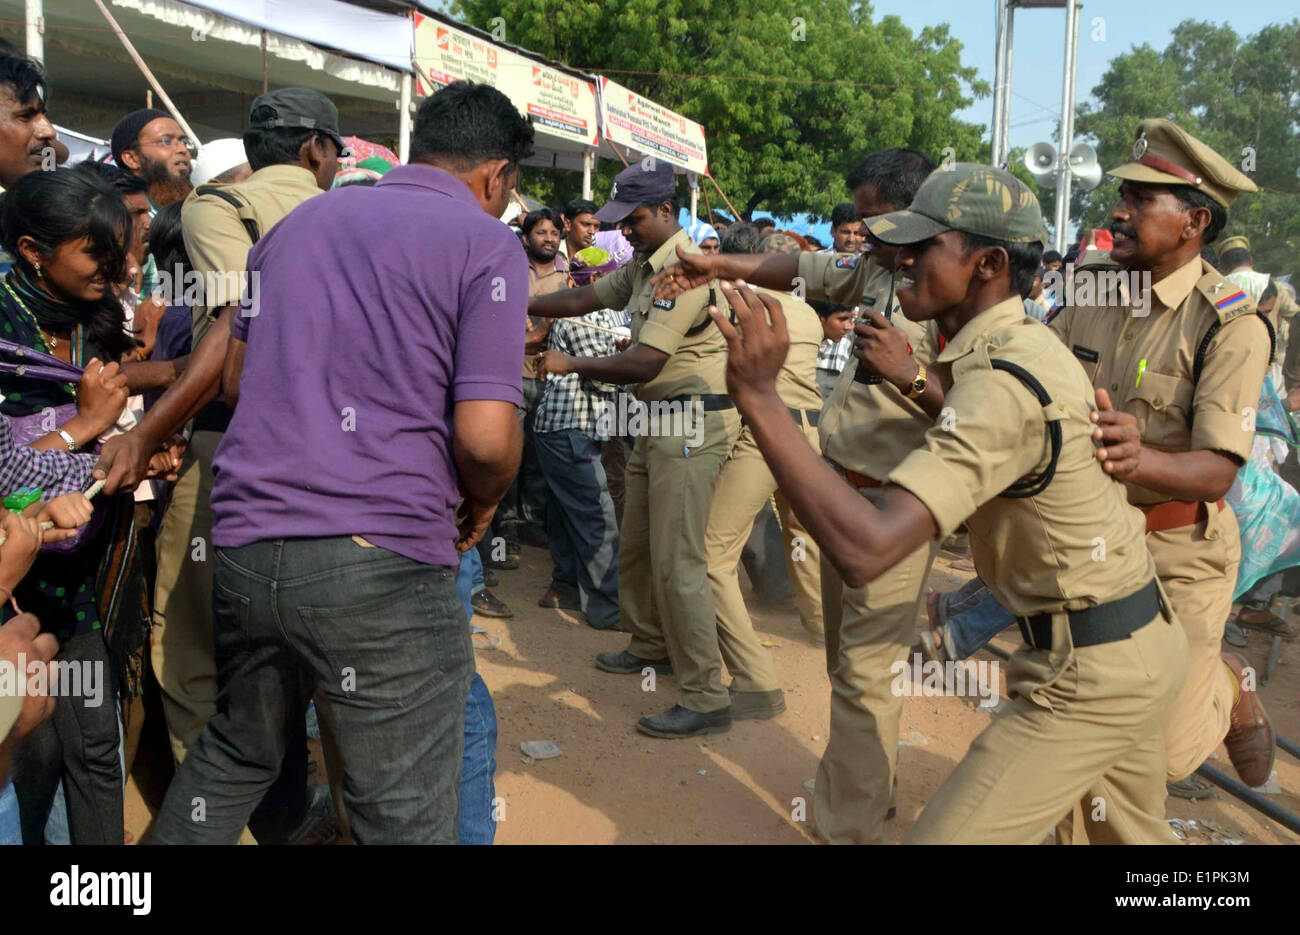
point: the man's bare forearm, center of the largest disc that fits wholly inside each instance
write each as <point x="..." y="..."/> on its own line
<point x="195" y="387"/>
<point x="776" y="271"/>
<point x="567" y="303"/>
<point x="1185" y="475"/>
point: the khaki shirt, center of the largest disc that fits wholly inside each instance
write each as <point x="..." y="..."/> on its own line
<point x="796" y="384"/>
<point x="867" y="428"/>
<point x="697" y="362"/>
<point x="1111" y="342"/>
<point x="217" y="240"/>
<point x="1075" y="545"/>
<point x="542" y="284"/>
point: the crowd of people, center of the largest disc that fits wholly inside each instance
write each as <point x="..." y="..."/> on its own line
<point x="276" y="418"/>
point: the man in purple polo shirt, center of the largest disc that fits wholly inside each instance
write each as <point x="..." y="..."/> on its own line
<point x="380" y="373"/>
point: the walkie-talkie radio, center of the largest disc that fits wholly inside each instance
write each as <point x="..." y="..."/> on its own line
<point x="863" y="373"/>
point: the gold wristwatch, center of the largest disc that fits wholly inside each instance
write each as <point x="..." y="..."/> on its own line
<point x="918" y="382"/>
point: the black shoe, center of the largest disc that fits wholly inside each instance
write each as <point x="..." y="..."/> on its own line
<point x="757" y="706"/>
<point x="625" y="663"/>
<point x="509" y="563"/>
<point x="489" y="605"/>
<point x="683" y="722"/>
<point x="533" y="535"/>
<point x="490" y="579"/>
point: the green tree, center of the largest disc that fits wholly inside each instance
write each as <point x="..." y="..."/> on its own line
<point x="790" y="92"/>
<point x="1239" y="95"/>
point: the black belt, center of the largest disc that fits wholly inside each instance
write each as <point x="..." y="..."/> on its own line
<point x="812" y="415"/>
<point x="712" y="402"/>
<point x="1105" y="623"/>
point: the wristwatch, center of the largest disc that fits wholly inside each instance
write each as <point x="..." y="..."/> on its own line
<point x="918" y="382"/>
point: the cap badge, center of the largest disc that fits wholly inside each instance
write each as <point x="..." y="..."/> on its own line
<point x="1140" y="146"/>
<point x="613" y="192"/>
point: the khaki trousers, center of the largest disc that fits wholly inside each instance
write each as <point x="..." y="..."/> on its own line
<point x="1197" y="567"/>
<point x="744" y="486"/>
<point x="664" y="596"/>
<point x="1088" y="730"/>
<point x="868" y="630"/>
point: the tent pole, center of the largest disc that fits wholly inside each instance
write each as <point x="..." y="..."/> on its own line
<point x="35" y="14"/>
<point x="265" y="65"/>
<point x="734" y="213"/>
<point x="404" y="120"/>
<point x="693" y="179"/>
<point x="588" y="162"/>
<point x="135" y="57"/>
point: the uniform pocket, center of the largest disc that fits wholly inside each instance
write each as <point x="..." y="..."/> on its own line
<point x="1162" y="405"/>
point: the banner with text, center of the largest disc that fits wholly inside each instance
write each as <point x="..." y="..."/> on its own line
<point x="631" y="120"/>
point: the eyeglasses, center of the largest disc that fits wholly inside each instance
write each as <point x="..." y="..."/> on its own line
<point x="169" y="142"/>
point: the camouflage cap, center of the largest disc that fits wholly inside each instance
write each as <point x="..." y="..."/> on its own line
<point x="780" y="243"/>
<point x="1165" y="154"/>
<point x="1238" y="242"/>
<point x="968" y="197"/>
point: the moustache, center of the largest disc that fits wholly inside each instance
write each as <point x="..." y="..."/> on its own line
<point x="1123" y="231"/>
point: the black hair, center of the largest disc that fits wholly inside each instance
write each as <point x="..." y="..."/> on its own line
<point x="578" y="206"/>
<point x="844" y="213"/>
<point x="536" y="216"/>
<point x="761" y="223"/>
<point x="466" y="124"/>
<point x="717" y="217"/>
<point x="1193" y="198"/>
<point x="1025" y="259"/>
<point x="166" y="243"/>
<point x="65" y="204"/>
<point x="741" y="237"/>
<point x="1237" y="256"/>
<point x="1071" y="256"/>
<point x="827" y="309"/>
<point x="895" y="173"/>
<point x="814" y="242"/>
<point x="1051" y="256"/>
<point x="1270" y="292"/>
<point x="275" y="145"/>
<point x="123" y="182"/>
<point x="26" y="76"/>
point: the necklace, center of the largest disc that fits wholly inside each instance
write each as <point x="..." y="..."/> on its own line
<point x="40" y="334"/>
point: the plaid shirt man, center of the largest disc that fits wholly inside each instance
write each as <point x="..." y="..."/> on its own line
<point x="833" y="355"/>
<point x="55" y="472"/>
<point x="573" y="401"/>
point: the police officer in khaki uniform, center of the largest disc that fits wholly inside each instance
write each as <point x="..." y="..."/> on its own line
<point x="1014" y="459"/>
<point x="745" y="487"/>
<point x="677" y="362"/>
<point x="1186" y="359"/>
<point x="866" y="428"/>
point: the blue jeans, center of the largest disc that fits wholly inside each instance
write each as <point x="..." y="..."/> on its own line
<point x="478" y="764"/>
<point x="11" y="831"/>
<point x="581" y="528"/>
<point x="383" y="637"/>
<point x="972" y="616"/>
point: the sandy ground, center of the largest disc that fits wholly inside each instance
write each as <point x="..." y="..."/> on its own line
<point x="611" y="785"/>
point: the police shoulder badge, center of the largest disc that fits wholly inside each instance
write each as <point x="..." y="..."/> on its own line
<point x="665" y="304"/>
<point x="846" y="262"/>
<point x="1140" y="146"/>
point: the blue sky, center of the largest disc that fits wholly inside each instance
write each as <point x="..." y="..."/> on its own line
<point x="1039" y="44"/>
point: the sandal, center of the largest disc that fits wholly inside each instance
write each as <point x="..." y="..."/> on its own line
<point x="934" y="636"/>
<point x="1193" y="787"/>
<point x="482" y="639"/>
<point x="1268" y="622"/>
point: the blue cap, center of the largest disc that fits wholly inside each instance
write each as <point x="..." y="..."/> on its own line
<point x="647" y="181"/>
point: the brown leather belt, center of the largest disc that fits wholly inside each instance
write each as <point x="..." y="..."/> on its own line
<point x="1175" y="514"/>
<point x="860" y="480"/>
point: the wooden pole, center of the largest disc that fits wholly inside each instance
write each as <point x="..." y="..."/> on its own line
<point x="265" y="66"/>
<point x="135" y="57"/>
<point x="734" y="213"/>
